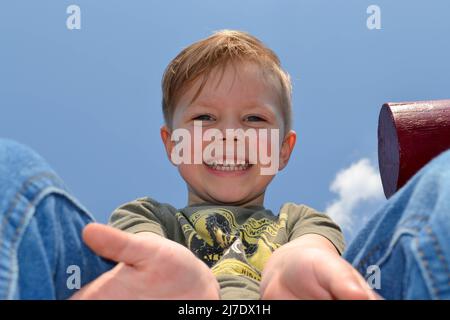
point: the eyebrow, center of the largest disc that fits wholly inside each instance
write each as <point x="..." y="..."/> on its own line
<point x="201" y="104"/>
<point x="266" y="111"/>
<point x="212" y="104"/>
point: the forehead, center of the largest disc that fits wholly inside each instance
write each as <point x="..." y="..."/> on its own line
<point x="235" y="85"/>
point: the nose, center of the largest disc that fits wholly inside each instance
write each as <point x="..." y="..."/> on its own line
<point x="229" y="124"/>
<point x="225" y="138"/>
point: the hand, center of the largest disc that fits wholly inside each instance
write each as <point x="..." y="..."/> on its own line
<point x="150" y="267"/>
<point x="312" y="273"/>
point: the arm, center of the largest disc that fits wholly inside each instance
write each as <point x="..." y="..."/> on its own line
<point x="312" y="241"/>
<point x="141" y="215"/>
<point x="150" y="267"/>
<point x="310" y="267"/>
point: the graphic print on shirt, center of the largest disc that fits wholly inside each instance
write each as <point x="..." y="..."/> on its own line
<point x="215" y="237"/>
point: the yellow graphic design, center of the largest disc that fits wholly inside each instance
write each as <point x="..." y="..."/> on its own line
<point x="229" y="248"/>
<point x="235" y="267"/>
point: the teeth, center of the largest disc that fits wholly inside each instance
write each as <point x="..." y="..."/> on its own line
<point x="228" y="167"/>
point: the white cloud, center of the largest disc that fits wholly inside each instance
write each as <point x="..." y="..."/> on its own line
<point x="359" y="193"/>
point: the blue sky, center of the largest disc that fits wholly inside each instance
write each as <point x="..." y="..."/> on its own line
<point x="89" y="100"/>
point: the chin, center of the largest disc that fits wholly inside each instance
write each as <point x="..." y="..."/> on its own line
<point x="225" y="197"/>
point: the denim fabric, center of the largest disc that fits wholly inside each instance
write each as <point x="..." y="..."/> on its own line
<point x="41" y="224"/>
<point x="40" y="230"/>
<point x="408" y="239"/>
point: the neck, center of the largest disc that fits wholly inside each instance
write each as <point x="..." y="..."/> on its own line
<point x="194" y="198"/>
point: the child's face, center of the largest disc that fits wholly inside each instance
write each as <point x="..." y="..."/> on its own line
<point x="240" y="98"/>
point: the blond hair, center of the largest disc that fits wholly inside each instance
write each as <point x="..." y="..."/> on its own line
<point x="224" y="46"/>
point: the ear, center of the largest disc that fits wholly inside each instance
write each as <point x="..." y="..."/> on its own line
<point x="166" y="135"/>
<point x="286" y="148"/>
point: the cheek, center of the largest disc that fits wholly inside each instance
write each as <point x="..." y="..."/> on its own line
<point x="261" y="182"/>
<point x="189" y="147"/>
<point x="189" y="172"/>
<point x="268" y="143"/>
<point x="189" y="169"/>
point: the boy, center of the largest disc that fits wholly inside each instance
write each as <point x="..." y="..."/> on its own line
<point x="229" y="81"/>
<point x="224" y="243"/>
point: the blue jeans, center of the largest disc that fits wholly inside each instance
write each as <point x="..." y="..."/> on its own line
<point x="41" y="250"/>
<point x="408" y="239"/>
<point x="403" y="250"/>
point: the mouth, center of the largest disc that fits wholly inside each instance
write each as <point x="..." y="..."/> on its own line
<point x="228" y="168"/>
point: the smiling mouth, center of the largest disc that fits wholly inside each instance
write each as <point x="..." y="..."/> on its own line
<point x="228" y="167"/>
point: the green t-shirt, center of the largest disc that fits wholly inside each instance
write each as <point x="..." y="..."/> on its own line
<point x="235" y="242"/>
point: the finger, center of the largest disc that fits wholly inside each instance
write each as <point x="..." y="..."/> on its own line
<point x="372" y="294"/>
<point x="345" y="283"/>
<point x="348" y="289"/>
<point x="376" y="296"/>
<point x="114" y="244"/>
<point x="274" y="290"/>
<point x="103" y="287"/>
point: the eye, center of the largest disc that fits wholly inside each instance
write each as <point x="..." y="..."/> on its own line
<point x="203" y="117"/>
<point x="254" y="118"/>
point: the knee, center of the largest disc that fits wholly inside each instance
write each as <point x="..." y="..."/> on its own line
<point x="17" y="162"/>
<point x="13" y="154"/>
<point x="434" y="178"/>
<point x="440" y="164"/>
<point x="444" y="157"/>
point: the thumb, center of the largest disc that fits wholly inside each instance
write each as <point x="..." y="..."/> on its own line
<point x="347" y="284"/>
<point x="114" y="244"/>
